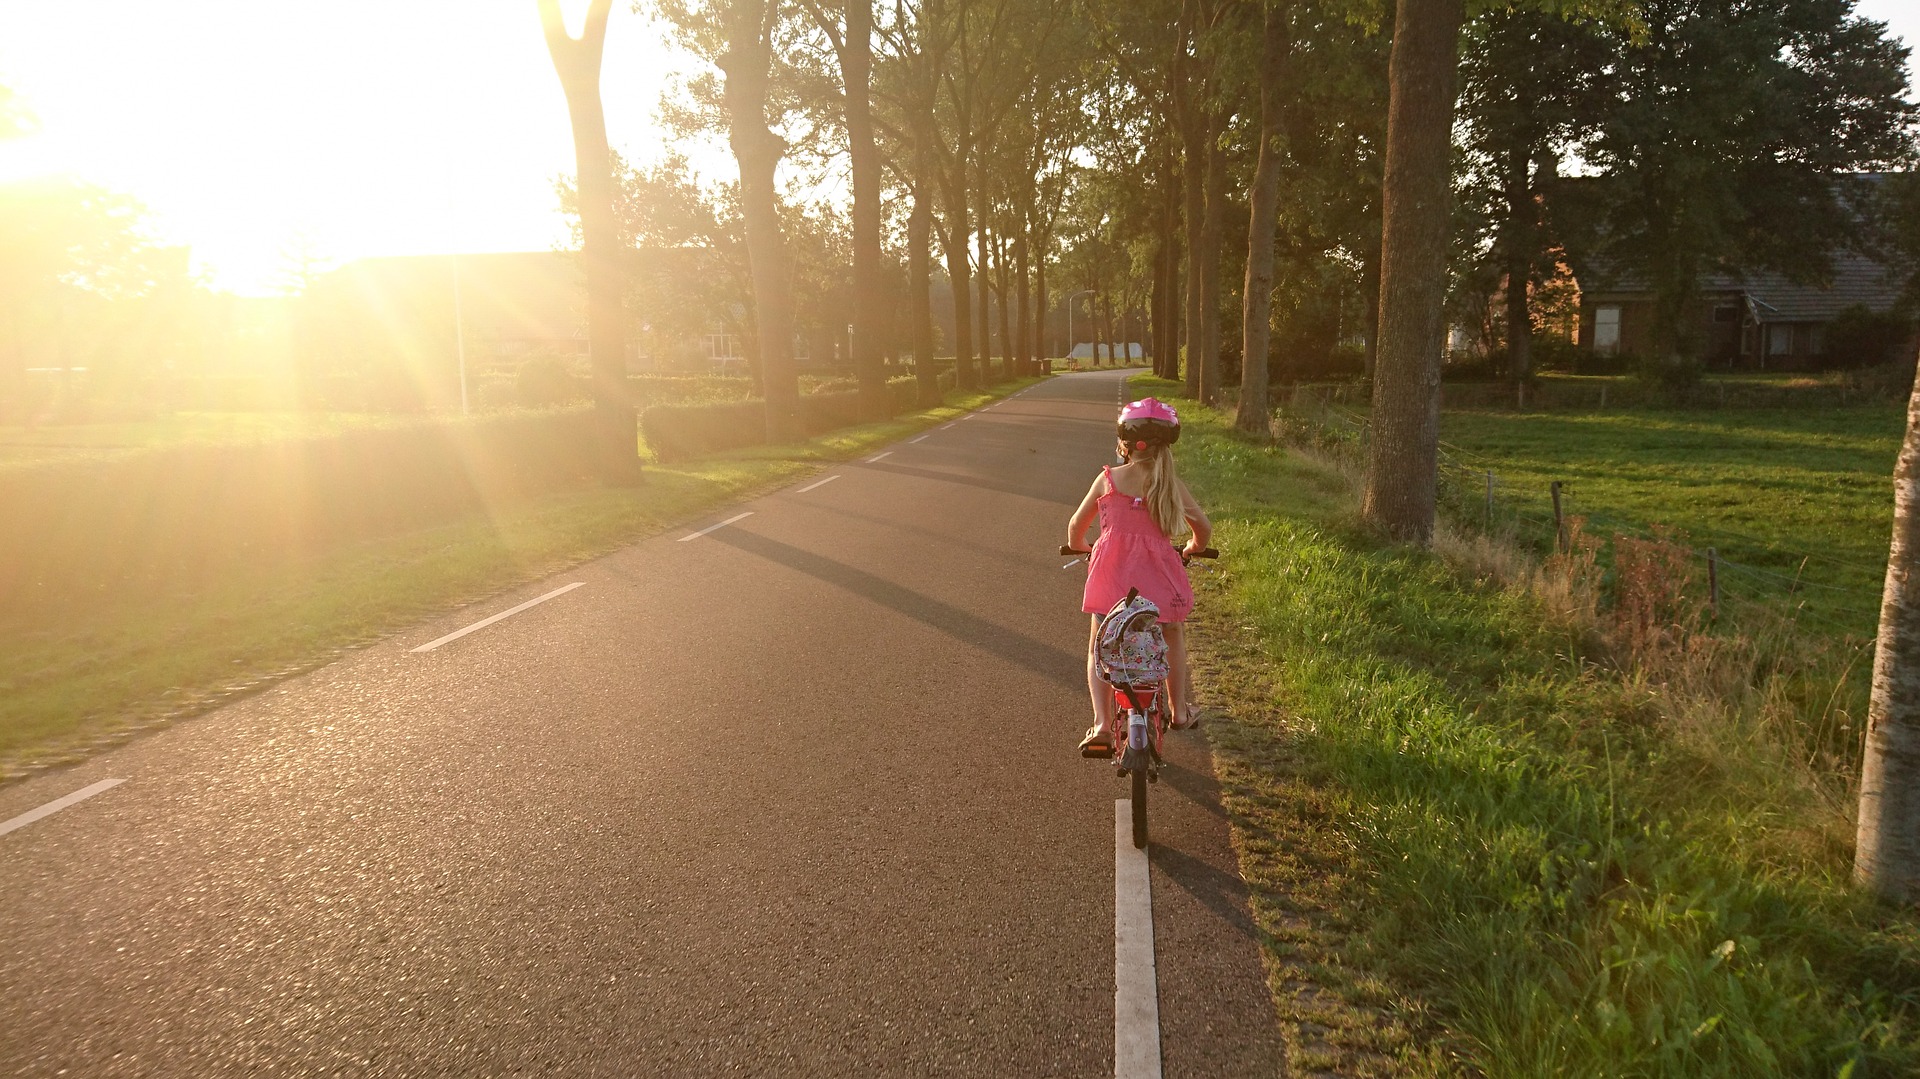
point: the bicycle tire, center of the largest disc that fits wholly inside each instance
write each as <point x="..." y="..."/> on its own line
<point x="1140" y="808"/>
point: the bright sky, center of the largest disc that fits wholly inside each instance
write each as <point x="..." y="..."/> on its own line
<point x="254" y="128"/>
<point x="345" y="127"/>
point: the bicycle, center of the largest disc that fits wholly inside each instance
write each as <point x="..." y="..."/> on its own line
<point x="1134" y="745"/>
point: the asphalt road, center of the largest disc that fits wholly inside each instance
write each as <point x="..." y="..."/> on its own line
<point x="796" y="797"/>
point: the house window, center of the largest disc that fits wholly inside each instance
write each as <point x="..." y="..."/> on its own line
<point x="1606" y="329"/>
<point x="1780" y="339"/>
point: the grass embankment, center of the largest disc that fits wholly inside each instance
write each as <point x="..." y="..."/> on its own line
<point x="112" y="662"/>
<point x="1478" y="844"/>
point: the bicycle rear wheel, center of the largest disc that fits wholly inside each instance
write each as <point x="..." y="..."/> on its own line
<point x="1140" y="808"/>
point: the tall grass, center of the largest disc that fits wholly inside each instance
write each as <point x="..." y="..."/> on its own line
<point x="1568" y="857"/>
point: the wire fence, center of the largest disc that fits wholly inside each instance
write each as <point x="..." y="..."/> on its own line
<point x="1552" y="517"/>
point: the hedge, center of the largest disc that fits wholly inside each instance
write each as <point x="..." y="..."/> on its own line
<point x="677" y="432"/>
<point x="182" y="514"/>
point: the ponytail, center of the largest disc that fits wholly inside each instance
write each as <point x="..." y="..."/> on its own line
<point x="1163" y="490"/>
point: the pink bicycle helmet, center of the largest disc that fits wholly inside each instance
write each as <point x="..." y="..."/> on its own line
<point x="1149" y="422"/>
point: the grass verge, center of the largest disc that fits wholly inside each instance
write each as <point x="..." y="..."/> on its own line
<point x="1477" y="846"/>
<point x="113" y="668"/>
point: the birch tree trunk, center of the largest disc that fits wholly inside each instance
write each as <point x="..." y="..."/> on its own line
<point x="1403" y="451"/>
<point x="577" y="61"/>
<point x="1886" y="856"/>
<point x="1256" y="303"/>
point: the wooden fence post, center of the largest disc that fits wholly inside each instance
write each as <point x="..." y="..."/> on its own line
<point x="1559" y="522"/>
<point x="1713" y="580"/>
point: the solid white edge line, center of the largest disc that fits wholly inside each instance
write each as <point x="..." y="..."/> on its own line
<point x="491" y="619"/>
<point x="877" y="456"/>
<point x="821" y="483"/>
<point x="715" y="527"/>
<point x="59" y="804"/>
<point x="1136" y="990"/>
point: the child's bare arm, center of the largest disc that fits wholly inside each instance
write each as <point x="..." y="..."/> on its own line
<point x="1196" y="519"/>
<point x="1083" y="517"/>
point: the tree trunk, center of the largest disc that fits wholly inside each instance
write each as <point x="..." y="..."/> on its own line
<point x="960" y="278"/>
<point x="1040" y="305"/>
<point x="1210" y="239"/>
<point x="984" y="269"/>
<point x="1403" y="452"/>
<point x="758" y="150"/>
<point x="1370" y="290"/>
<point x="1887" y="852"/>
<point x="1167" y="320"/>
<point x="1023" y="281"/>
<point x="1009" y="345"/>
<point x="1256" y="303"/>
<point x="1194" y="171"/>
<point x="1519" y="239"/>
<point x="577" y="61"/>
<point x="869" y="284"/>
<point x="920" y="294"/>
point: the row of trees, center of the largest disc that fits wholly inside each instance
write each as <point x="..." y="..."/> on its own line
<point x="1158" y="142"/>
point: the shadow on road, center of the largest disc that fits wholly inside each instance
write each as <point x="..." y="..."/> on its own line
<point x="1219" y="891"/>
<point x="1037" y="656"/>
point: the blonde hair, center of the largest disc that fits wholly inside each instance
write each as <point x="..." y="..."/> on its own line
<point x="1163" y="488"/>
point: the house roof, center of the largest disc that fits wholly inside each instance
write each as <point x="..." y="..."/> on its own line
<point x="1857" y="280"/>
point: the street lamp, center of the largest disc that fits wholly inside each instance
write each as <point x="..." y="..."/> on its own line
<point x="1071" y="340"/>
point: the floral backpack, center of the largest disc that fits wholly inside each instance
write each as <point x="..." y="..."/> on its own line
<point x="1130" y="649"/>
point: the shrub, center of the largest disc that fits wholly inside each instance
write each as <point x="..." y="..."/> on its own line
<point x="1673" y="373"/>
<point x="545" y="382"/>
<point x="652" y="389"/>
<point x="1858" y="337"/>
<point x="823" y="412"/>
<point x="676" y="432"/>
<point x="906" y="392"/>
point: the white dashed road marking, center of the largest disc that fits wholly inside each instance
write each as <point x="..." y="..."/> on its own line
<point x="508" y="613"/>
<point x="877" y="456"/>
<point x="716" y="528"/>
<point x="821" y="483"/>
<point x="1136" y="990"/>
<point x="59" y="804"/>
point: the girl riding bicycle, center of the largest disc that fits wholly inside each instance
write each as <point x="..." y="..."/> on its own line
<point x="1141" y="505"/>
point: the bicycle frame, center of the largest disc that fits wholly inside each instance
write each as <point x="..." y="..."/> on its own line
<point x="1141" y="709"/>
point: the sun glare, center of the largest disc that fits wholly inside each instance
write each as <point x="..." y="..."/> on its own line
<point x="348" y="128"/>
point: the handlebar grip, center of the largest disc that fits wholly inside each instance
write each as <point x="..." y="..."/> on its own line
<point x="1066" y="548"/>
<point x="1205" y="552"/>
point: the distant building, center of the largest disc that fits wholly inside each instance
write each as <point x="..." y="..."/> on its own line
<point x="1755" y="320"/>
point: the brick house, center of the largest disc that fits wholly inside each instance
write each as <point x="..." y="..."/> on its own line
<point x="1758" y="320"/>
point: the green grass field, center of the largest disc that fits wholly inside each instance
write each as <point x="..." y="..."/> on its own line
<point x="31" y="444"/>
<point x="112" y="662"/>
<point x="1800" y="502"/>
<point x="1474" y="849"/>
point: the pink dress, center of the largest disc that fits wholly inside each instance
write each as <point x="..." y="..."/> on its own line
<point x="1132" y="552"/>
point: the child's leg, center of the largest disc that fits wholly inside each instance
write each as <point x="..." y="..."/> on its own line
<point x="1179" y="679"/>
<point x="1102" y="695"/>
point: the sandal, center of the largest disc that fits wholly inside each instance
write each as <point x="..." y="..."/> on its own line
<point x="1190" y="720"/>
<point x="1097" y="742"/>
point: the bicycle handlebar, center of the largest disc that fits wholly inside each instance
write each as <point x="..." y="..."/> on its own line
<point x="1204" y="552"/>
